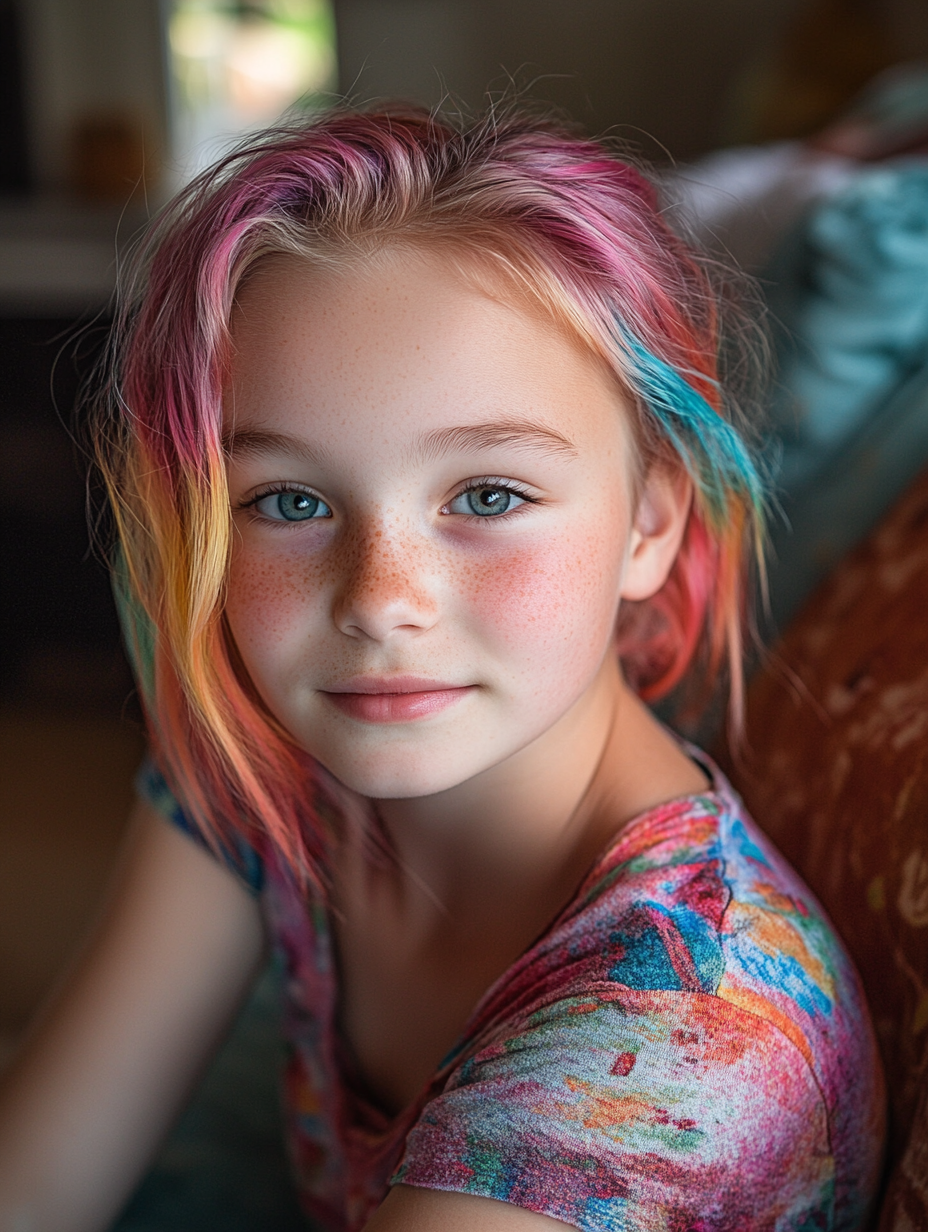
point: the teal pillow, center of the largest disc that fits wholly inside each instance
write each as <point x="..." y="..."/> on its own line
<point x="848" y="292"/>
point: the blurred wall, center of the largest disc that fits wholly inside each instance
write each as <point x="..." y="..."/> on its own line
<point x="659" y="67"/>
<point x="674" y="70"/>
<point x="92" y="63"/>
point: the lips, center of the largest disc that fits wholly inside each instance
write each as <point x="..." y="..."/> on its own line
<point x="396" y="699"/>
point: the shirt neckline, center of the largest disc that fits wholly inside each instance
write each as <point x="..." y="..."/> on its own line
<point x="347" y="1071"/>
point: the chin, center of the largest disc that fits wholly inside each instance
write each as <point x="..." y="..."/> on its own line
<point x="396" y="777"/>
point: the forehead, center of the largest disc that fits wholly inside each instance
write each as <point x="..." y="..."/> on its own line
<point x="404" y="340"/>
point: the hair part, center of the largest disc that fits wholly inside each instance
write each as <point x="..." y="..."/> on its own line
<point x="555" y="220"/>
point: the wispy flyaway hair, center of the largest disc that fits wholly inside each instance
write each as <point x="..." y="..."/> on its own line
<point x="561" y="223"/>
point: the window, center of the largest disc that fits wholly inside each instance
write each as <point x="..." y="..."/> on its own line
<point x="240" y="66"/>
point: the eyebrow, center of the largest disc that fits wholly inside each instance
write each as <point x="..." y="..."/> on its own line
<point x="521" y="433"/>
<point x="260" y="443"/>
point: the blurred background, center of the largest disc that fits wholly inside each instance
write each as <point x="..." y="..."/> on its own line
<point x="107" y="106"/>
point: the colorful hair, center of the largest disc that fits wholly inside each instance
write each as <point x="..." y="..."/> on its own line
<point x="565" y="223"/>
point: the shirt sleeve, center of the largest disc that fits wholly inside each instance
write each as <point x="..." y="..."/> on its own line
<point x="238" y="856"/>
<point x="634" y="1110"/>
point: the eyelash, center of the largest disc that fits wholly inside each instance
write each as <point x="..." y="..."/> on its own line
<point x="485" y="481"/>
<point x="277" y="489"/>
<point x="493" y="481"/>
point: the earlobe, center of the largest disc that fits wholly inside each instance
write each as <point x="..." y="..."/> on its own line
<point x="657" y="530"/>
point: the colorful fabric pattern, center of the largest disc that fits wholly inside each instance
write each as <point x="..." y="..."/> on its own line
<point x="686" y="1047"/>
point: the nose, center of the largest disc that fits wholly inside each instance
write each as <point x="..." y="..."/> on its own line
<point x="386" y="583"/>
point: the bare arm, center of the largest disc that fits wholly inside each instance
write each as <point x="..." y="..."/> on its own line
<point x="105" y="1072"/>
<point x="409" y="1209"/>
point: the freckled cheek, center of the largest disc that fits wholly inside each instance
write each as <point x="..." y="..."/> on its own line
<point x="559" y="598"/>
<point x="271" y="598"/>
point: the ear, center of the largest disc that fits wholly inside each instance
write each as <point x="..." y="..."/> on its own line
<point x="657" y="530"/>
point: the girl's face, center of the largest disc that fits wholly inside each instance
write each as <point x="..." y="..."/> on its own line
<point x="432" y="493"/>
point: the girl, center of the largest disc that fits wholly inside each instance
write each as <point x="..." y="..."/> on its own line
<point x="424" y="479"/>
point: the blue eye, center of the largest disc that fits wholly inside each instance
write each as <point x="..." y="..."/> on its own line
<point x="292" y="507"/>
<point x="486" y="501"/>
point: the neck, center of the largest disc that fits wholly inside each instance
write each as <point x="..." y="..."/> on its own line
<point x="527" y="830"/>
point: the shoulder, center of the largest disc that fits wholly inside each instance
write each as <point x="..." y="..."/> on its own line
<point x="633" y="1108"/>
<point x="642" y="1062"/>
<point x="238" y="855"/>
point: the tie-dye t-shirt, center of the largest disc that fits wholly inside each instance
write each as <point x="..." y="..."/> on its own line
<point x="685" y="1047"/>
